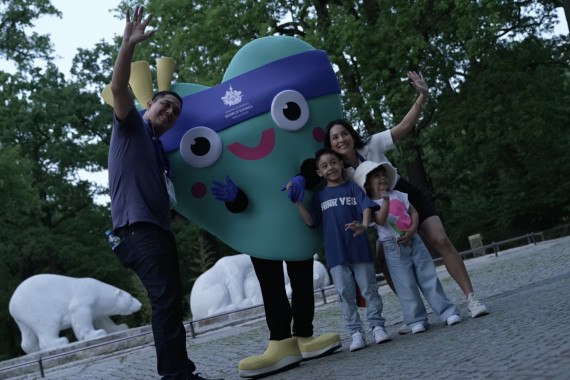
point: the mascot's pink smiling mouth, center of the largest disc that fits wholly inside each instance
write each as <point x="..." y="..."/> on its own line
<point x="262" y="149"/>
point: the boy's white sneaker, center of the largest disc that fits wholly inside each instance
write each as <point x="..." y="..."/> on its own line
<point x="380" y="335"/>
<point x="475" y="307"/>
<point x="403" y="330"/>
<point x="418" y="328"/>
<point x="453" y="319"/>
<point x="358" y="342"/>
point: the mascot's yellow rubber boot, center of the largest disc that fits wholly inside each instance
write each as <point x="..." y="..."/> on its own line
<point x="312" y="348"/>
<point x="279" y="356"/>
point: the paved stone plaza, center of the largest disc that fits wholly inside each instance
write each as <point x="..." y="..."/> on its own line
<point x="526" y="336"/>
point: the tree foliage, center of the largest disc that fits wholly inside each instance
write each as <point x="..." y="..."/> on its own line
<point x="19" y="43"/>
<point x="499" y="144"/>
<point x="51" y="129"/>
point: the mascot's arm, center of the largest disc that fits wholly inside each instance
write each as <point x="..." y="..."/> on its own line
<point x="235" y="199"/>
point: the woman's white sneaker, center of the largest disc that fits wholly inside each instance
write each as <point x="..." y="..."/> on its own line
<point x="475" y="308"/>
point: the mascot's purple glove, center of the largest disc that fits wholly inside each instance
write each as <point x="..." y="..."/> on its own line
<point x="225" y="192"/>
<point x="297" y="190"/>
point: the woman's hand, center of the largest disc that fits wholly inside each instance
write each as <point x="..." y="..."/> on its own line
<point x="418" y="82"/>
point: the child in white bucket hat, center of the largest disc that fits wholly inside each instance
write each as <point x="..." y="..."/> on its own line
<point x="408" y="259"/>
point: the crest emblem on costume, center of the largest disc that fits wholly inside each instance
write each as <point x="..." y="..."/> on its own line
<point x="232" y="97"/>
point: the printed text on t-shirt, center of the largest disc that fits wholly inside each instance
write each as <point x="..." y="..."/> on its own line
<point x="344" y="201"/>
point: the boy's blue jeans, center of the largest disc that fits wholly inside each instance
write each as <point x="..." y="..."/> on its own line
<point x="344" y="277"/>
<point x="151" y="252"/>
<point x="411" y="266"/>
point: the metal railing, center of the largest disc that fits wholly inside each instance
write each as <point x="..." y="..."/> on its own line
<point x="531" y="238"/>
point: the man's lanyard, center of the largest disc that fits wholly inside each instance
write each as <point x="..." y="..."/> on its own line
<point x="160" y="154"/>
<point x="163" y="162"/>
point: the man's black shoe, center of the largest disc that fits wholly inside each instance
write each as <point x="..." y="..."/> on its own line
<point x="197" y="376"/>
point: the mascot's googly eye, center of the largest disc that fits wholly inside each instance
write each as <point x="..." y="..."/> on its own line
<point x="290" y="110"/>
<point x="200" y="147"/>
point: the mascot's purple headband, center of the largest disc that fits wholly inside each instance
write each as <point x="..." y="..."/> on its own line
<point x="250" y="94"/>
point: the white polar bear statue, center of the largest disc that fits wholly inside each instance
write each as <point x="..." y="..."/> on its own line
<point x="45" y="304"/>
<point x="231" y="284"/>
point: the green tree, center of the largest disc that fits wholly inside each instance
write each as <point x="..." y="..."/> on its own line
<point x="502" y="137"/>
<point x="46" y="119"/>
<point x="51" y="129"/>
<point x="20" y="215"/>
<point x="19" y="44"/>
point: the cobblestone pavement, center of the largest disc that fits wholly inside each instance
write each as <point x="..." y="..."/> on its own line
<point x="526" y="335"/>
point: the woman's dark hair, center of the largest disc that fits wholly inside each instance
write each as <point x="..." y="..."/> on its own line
<point x="358" y="143"/>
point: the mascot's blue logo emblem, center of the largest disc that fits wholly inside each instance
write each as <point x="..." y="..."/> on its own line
<point x="232" y="97"/>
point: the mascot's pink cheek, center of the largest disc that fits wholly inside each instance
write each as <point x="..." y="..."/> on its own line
<point x="319" y="134"/>
<point x="198" y="190"/>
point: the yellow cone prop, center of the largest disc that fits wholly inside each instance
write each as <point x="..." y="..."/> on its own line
<point x="141" y="82"/>
<point x="107" y="95"/>
<point x="164" y="70"/>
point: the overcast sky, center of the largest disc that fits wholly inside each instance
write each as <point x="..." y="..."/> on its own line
<point x="83" y="24"/>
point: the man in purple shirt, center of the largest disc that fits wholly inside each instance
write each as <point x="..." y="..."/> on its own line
<point x="140" y="189"/>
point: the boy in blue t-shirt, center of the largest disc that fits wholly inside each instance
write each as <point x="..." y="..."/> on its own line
<point x="337" y="207"/>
